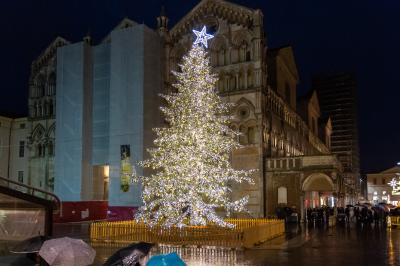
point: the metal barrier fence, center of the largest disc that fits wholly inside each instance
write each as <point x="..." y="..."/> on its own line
<point x="332" y="221"/>
<point x="247" y="233"/>
<point x="393" y="221"/>
<point x="206" y="254"/>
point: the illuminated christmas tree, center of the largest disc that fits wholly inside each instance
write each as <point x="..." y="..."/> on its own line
<point x="192" y="155"/>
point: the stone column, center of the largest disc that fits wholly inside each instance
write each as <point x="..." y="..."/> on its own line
<point x="303" y="214"/>
<point x="245" y="78"/>
<point x="237" y="81"/>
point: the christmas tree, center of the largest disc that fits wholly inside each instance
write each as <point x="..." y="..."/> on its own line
<point x="192" y="155"/>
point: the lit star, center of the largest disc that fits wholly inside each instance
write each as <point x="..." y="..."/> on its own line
<point x="393" y="183"/>
<point x="202" y="36"/>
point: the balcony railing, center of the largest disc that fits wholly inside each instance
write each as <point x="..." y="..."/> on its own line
<point x="302" y="162"/>
<point x="29" y="190"/>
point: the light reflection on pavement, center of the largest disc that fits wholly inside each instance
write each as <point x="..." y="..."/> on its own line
<point x="300" y="246"/>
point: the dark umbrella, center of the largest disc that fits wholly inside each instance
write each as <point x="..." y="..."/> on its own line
<point x="349" y="205"/>
<point x="30" y="245"/>
<point x="130" y="255"/>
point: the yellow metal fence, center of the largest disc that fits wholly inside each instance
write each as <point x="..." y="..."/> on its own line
<point x="393" y="221"/>
<point x="247" y="233"/>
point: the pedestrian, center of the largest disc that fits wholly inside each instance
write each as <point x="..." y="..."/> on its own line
<point x="376" y="217"/>
<point x="347" y="212"/>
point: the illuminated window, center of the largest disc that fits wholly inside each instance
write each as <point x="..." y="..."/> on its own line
<point x="375" y="193"/>
<point x="384" y="192"/>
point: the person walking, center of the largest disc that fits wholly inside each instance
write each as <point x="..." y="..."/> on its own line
<point x="347" y="212"/>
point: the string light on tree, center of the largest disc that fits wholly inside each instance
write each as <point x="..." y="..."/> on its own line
<point x="191" y="157"/>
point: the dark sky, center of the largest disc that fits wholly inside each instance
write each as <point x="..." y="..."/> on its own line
<point x="328" y="36"/>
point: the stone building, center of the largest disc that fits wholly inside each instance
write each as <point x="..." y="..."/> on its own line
<point x="283" y="138"/>
<point x="379" y="188"/>
<point x="13" y="148"/>
<point x="41" y="117"/>
<point x="295" y="167"/>
<point x="338" y="97"/>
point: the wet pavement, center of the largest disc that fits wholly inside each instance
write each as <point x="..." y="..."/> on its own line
<point x="339" y="245"/>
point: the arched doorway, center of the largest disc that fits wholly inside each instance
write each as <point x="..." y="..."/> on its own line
<point x="318" y="191"/>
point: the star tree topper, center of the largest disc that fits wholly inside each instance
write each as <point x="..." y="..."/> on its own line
<point x="202" y="36"/>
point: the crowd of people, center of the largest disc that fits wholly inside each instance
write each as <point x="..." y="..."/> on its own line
<point x="360" y="214"/>
<point x="319" y="215"/>
<point x="363" y="214"/>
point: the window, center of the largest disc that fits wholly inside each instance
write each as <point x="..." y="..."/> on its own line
<point x="51" y="148"/>
<point x="243" y="135"/>
<point x="51" y="109"/>
<point x="40" y="150"/>
<point x="22" y="125"/>
<point x="374" y="181"/>
<point x="248" y="56"/>
<point x="21" y="149"/>
<point x="316" y="127"/>
<point x="232" y="83"/>
<point x="251" y="135"/>
<point x="21" y="176"/>
<point x="282" y="195"/>
<point x="383" y="181"/>
<point x="221" y="57"/>
<point x="312" y="124"/>
<point x="287" y="93"/>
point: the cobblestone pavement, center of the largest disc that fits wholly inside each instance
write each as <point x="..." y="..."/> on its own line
<point x="300" y="246"/>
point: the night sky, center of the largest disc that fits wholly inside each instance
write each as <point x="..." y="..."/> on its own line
<point x="327" y="36"/>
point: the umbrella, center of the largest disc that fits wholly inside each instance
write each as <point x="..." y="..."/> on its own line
<point x="67" y="251"/>
<point x="349" y="205"/>
<point x="30" y="245"/>
<point x="171" y="259"/>
<point x="129" y="255"/>
<point x="385" y="208"/>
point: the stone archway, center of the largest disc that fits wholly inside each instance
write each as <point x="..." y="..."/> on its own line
<point x="318" y="189"/>
<point x="318" y="182"/>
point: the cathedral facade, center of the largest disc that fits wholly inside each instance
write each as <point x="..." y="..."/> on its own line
<point x="42" y="106"/>
<point x="283" y="137"/>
